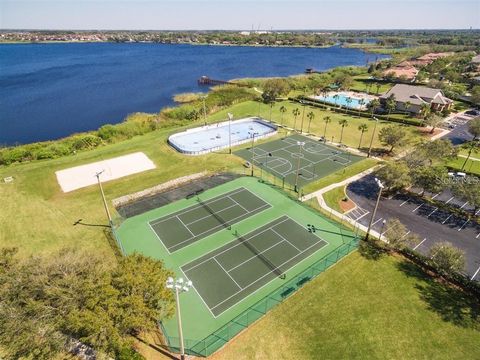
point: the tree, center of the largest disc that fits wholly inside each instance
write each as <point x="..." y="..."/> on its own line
<point x="475" y="95"/>
<point x="431" y="152"/>
<point x="429" y="178"/>
<point x="282" y="110"/>
<point x="425" y="109"/>
<point x="326" y="120"/>
<point x="343" y="123"/>
<point x="395" y="176"/>
<point x="348" y="100"/>
<point x="470" y="146"/>
<point x="310" y="117"/>
<point x="447" y="258"/>
<point x="474" y="127"/>
<point x="372" y="105"/>
<point x="391" y="104"/>
<point x="295" y="112"/>
<point x="468" y="189"/>
<point x="433" y="120"/>
<point x="392" y="136"/>
<point x="397" y="234"/>
<point x="363" y="128"/>
<point x="273" y="88"/>
<point x="46" y="302"/>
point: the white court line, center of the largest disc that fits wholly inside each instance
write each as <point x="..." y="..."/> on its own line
<point x="453" y="197"/>
<point x="207" y="216"/>
<point x="228" y="249"/>
<point x="226" y="272"/>
<point x="256" y="255"/>
<point x="238" y="204"/>
<point x="476" y="272"/>
<point x="377" y="221"/>
<point x="286" y="240"/>
<point x="418" y="207"/>
<point x="186" y="227"/>
<point x="449" y="216"/>
<point x="420" y="243"/>
<point x="465" y="223"/>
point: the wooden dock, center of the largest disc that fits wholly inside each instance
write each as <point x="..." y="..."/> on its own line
<point x="205" y="80"/>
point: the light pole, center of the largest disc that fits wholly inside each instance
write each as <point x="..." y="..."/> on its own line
<point x="252" y="134"/>
<point x="373" y="134"/>
<point x="380" y="188"/>
<point x="300" y="144"/>
<point x="178" y="286"/>
<point x="230" y="117"/>
<point x="303" y="115"/>
<point x="103" y="197"/>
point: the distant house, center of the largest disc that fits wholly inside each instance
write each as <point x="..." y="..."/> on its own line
<point x="406" y="72"/>
<point x="417" y="96"/>
<point x="434" y="56"/>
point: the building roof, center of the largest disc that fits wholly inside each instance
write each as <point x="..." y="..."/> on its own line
<point x="435" y="56"/>
<point x="409" y="72"/>
<point x="416" y="95"/>
<point x="476" y="59"/>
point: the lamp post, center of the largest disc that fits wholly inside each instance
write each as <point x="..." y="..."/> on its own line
<point x="103" y="197"/>
<point x="373" y="134"/>
<point x="230" y="117"/>
<point x="303" y="115"/>
<point x="300" y="144"/>
<point x="380" y="188"/>
<point x="252" y="134"/>
<point x="178" y="286"/>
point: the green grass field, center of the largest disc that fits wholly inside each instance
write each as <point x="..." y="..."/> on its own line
<point x="366" y="309"/>
<point x="225" y="285"/>
<point x="333" y="197"/>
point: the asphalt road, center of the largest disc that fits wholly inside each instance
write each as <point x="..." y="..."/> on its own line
<point x="432" y="225"/>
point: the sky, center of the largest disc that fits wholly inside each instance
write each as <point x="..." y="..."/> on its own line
<point x="239" y="14"/>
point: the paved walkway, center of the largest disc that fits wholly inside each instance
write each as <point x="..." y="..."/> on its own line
<point x="471" y="157"/>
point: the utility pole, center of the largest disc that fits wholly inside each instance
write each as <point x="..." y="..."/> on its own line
<point x="230" y="117"/>
<point x="103" y="197"/>
<point x="300" y="144"/>
<point x="380" y="188"/>
<point x="252" y="134"/>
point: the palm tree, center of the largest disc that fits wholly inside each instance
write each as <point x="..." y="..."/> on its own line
<point x="327" y="120"/>
<point x="375" y="103"/>
<point x="363" y="128"/>
<point x="343" y="123"/>
<point x="295" y="112"/>
<point x="425" y="110"/>
<point x="283" y="110"/>
<point x="271" y="107"/>
<point x="391" y="104"/>
<point x="310" y="117"/>
<point x="348" y="100"/>
<point x="407" y="105"/>
<point x="335" y="97"/>
<point x="378" y="85"/>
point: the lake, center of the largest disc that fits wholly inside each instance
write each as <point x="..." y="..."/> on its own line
<point x="48" y="91"/>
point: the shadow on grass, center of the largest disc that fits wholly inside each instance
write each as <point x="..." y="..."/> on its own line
<point x="450" y="303"/>
<point x="370" y="251"/>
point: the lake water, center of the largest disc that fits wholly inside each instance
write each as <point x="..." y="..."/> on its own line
<point x="48" y="91"/>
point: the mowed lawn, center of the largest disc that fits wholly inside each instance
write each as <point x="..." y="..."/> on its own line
<point x="366" y="309"/>
<point x="351" y="134"/>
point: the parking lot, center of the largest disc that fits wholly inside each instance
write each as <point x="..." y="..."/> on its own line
<point x="430" y="223"/>
<point x="458" y="126"/>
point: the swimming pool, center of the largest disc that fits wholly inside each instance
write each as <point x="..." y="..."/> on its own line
<point x="208" y="138"/>
<point x="355" y="102"/>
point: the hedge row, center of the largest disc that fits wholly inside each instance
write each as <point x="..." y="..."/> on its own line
<point x="365" y="114"/>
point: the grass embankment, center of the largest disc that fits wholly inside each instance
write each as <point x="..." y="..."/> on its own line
<point x="471" y="166"/>
<point x="366" y="309"/>
<point x="334" y="197"/>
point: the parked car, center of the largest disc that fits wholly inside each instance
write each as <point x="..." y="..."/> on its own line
<point x="472" y="112"/>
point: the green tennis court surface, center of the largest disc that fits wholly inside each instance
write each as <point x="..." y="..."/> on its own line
<point x="313" y="159"/>
<point x="225" y="276"/>
<point x="189" y="225"/>
<point x="244" y="244"/>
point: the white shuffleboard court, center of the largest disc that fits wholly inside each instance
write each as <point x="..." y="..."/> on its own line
<point x="84" y="175"/>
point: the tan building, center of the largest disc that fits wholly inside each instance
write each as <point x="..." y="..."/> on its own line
<point x="416" y="97"/>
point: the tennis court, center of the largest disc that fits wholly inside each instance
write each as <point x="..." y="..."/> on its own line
<point x="189" y="225"/>
<point x="227" y="275"/>
<point x="285" y="157"/>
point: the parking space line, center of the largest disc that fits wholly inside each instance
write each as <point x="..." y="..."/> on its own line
<point x="449" y="216"/>
<point x="420" y="243"/>
<point x="377" y="221"/>
<point x="408" y="232"/>
<point x="476" y="237"/>
<point x="403" y="203"/>
<point x="368" y="212"/>
<point x="465" y="223"/>
<point x="418" y="207"/>
<point x="453" y="197"/>
<point x="476" y="272"/>
<point x="478" y="211"/>
<point x="466" y="202"/>
<point x="432" y="212"/>
<point x="434" y="196"/>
